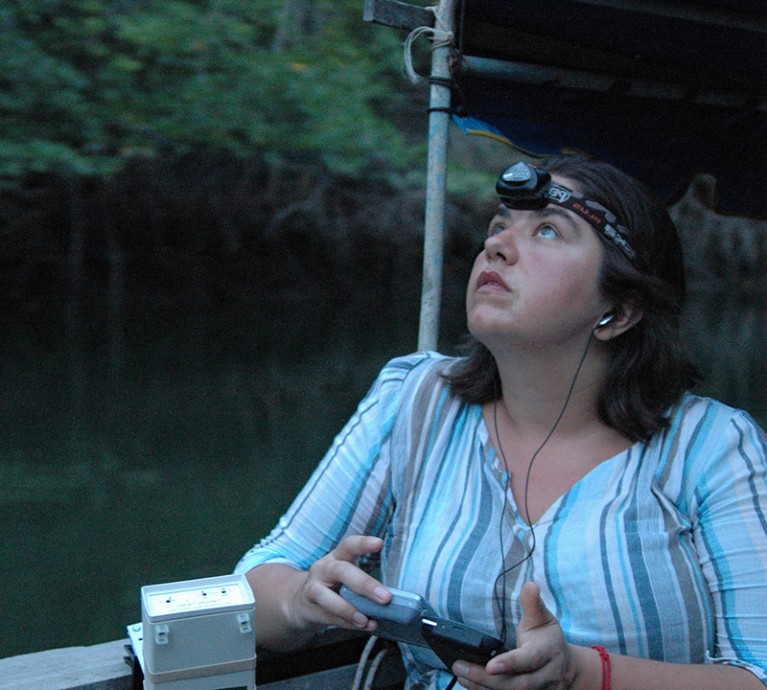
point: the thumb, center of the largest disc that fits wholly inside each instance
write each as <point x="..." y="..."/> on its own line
<point x="534" y="611"/>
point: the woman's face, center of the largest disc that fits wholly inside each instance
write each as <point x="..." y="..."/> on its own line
<point x="537" y="279"/>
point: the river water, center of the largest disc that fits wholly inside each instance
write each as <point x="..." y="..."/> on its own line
<point x="162" y="451"/>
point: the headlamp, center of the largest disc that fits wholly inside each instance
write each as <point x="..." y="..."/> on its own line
<point x="523" y="186"/>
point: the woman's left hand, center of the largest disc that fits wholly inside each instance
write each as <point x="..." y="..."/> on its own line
<point x="542" y="659"/>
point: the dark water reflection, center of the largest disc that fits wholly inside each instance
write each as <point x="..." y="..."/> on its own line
<point x="165" y="454"/>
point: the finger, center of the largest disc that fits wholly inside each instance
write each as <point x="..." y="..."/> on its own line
<point x="474" y="677"/>
<point x="534" y="611"/>
<point x="469" y="675"/>
<point x="332" y="574"/>
<point x="515" y="662"/>
<point x="322" y="590"/>
<point x="355" y="578"/>
<point x="369" y="587"/>
<point x="336" y="610"/>
<point x="518" y="672"/>
<point x="357" y="545"/>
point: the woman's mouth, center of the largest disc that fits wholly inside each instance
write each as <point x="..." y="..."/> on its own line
<point x="491" y="281"/>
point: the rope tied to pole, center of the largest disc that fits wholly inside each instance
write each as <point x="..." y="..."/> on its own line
<point x="439" y="35"/>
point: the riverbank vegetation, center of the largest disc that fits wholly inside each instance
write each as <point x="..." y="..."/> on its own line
<point x="188" y="152"/>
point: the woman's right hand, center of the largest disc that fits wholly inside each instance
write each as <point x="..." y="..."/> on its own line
<point x="293" y="605"/>
<point x="316" y="603"/>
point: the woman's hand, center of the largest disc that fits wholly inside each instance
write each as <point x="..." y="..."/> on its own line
<point x="293" y="605"/>
<point x="542" y="659"/>
<point x="316" y="602"/>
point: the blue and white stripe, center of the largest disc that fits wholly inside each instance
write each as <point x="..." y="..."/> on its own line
<point x="659" y="552"/>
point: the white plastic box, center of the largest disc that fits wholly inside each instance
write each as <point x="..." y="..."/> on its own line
<point x="198" y="635"/>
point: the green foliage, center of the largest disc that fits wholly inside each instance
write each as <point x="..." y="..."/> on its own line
<point x="88" y="85"/>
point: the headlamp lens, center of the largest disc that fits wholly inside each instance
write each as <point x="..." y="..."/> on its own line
<point x="521" y="186"/>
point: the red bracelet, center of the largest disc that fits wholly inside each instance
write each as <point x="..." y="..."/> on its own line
<point x="604" y="657"/>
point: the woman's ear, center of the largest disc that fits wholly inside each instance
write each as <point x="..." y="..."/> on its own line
<point x="617" y="321"/>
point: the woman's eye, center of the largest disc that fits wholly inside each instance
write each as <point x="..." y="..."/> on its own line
<point x="547" y="230"/>
<point x="495" y="229"/>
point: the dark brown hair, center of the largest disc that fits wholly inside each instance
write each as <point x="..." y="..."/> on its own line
<point x="647" y="372"/>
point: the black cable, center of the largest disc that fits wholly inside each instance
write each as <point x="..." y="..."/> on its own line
<point x="506" y="571"/>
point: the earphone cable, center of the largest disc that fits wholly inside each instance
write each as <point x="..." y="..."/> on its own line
<point x="526" y="505"/>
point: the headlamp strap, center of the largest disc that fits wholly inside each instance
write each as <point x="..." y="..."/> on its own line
<point x="524" y="186"/>
<point x="599" y="217"/>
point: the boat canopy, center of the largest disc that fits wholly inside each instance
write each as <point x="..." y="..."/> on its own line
<point x="663" y="89"/>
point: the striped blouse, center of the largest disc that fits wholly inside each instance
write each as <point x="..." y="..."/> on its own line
<point x="659" y="552"/>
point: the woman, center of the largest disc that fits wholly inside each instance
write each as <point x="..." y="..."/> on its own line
<point x="558" y="487"/>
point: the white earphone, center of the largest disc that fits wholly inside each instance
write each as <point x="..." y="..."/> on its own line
<point x="607" y="318"/>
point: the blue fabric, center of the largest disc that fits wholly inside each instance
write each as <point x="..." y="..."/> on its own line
<point x="701" y="48"/>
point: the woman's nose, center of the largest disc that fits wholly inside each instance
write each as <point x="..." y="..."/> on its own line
<point x="503" y="246"/>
